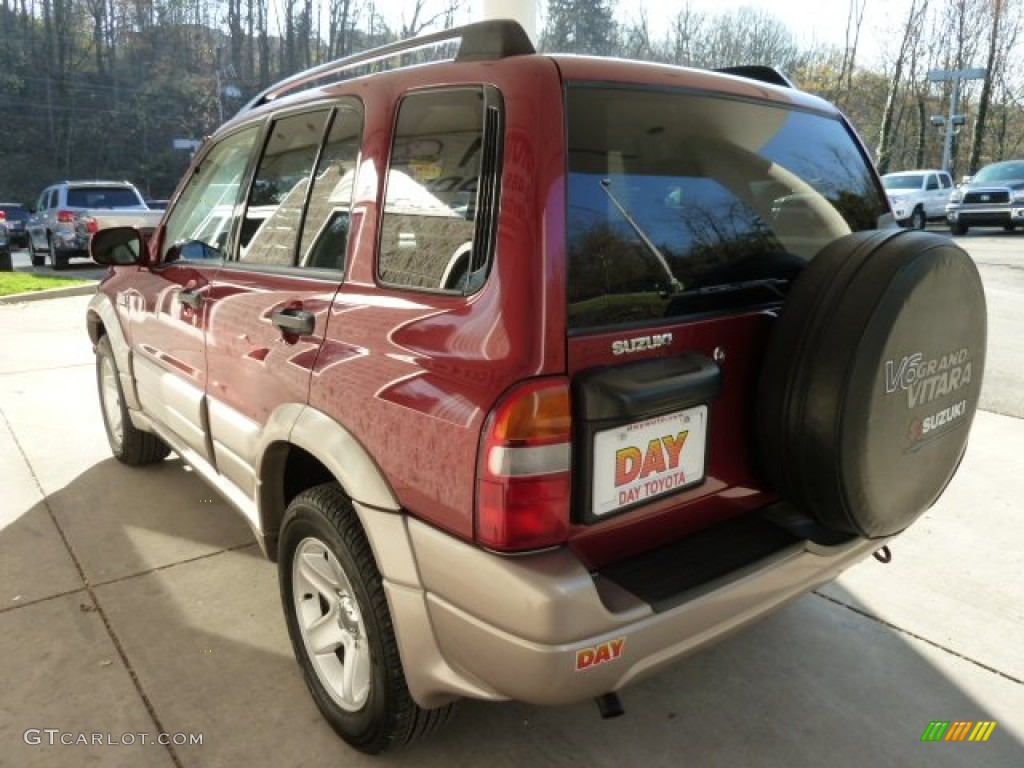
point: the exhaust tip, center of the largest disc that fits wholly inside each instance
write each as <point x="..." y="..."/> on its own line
<point x="609" y="705"/>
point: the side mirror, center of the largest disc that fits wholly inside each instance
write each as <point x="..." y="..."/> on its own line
<point x="116" y="246"/>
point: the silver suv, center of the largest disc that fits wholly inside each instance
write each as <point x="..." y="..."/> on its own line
<point x="53" y="231"/>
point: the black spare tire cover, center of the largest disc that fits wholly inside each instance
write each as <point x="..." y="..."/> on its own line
<point x="871" y="379"/>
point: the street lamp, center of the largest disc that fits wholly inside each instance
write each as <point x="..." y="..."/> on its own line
<point x="954" y="121"/>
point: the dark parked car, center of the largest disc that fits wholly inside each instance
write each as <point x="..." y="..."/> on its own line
<point x="993" y="197"/>
<point x="15" y="216"/>
<point x="534" y="373"/>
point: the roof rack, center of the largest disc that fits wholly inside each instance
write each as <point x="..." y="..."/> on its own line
<point x="759" y="72"/>
<point x="492" y="39"/>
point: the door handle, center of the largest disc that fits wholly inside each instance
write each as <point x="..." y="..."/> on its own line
<point x="191" y="297"/>
<point x="294" y="321"/>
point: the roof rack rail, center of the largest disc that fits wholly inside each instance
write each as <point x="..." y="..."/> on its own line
<point x="492" y="39"/>
<point x="759" y="72"/>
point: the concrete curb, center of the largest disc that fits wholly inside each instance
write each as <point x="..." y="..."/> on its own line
<point x="52" y="293"/>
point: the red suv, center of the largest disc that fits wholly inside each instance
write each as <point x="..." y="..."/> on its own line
<point x="535" y="373"/>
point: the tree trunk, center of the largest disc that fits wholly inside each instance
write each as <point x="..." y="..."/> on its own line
<point x="978" y="135"/>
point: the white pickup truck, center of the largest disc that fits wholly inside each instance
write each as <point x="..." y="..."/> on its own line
<point x="68" y="214"/>
<point x="917" y="197"/>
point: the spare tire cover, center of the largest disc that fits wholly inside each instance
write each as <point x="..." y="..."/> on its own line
<point x="871" y="379"/>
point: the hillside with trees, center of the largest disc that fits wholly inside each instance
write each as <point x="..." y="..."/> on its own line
<point x="103" y="88"/>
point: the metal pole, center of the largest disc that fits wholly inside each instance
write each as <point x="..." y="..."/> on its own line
<point x="216" y="69"/>
<point x="947" y="149"/>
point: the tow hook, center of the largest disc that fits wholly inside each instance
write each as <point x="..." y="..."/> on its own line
<point x="609" y="705"/>
<point x="883" y="555"/>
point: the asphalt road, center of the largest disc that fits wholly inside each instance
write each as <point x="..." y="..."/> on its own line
<point x="1000" y="259"/>
<point x="78" y="268"/>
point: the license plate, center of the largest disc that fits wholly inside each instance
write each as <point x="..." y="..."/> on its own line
<point x="648" y="459"/>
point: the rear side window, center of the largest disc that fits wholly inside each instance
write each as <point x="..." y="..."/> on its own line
<point x="271" y="223"/>
<point x="103" y="197"/>
<point x="325" y="231"/>
<point x="679" y="203"/>
<point x="437" y="228"/>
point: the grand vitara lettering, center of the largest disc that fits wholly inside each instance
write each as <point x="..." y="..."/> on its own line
<point x="926" y="380"/>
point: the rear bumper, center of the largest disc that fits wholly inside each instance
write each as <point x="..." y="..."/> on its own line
<point x="541" y="629"/>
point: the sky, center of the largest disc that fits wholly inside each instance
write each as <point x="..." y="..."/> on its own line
<point x="825" y="24"/>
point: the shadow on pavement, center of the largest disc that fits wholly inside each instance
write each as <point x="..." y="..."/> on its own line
<point x="195" y="612"/>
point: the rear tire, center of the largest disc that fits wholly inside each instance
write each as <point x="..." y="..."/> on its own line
<point x="129" y="445"/>
<point x="958" y="229"/>
<point x="37" y="259"/>
<point x="57" y="260"/>
<point x="340" y="626"/>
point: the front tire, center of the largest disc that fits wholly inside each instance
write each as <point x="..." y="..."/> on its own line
<point x="340" y="626"/>
<point x="958" y="229"/>
<point x="917" y="219"/>
<point x="129" y="445"/>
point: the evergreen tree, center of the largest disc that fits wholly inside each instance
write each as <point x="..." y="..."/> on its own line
<point x="580" y="26"/>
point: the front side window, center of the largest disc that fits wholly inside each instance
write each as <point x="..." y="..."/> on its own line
<point x="199" y="225"/>
<point x="443" y="164"/>
<point x="679" y="203"/>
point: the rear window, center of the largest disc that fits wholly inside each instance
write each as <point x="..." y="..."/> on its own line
<point x="902" y="182"/>
<point x="681" y="203"/>
<point x="14" y="212"/>
<point x="102" y="197"/>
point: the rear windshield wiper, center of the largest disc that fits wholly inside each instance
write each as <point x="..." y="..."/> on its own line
<point x="773" y="284"/>
<point x="676" y="286"/>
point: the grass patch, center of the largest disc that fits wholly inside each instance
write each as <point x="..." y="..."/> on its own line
<point x="25" y="282"/>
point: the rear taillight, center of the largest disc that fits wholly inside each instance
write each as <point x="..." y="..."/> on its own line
<point x="65" y="217"/>
<point x="3" y="216"/>
<point x="523" y="474"/>
<point x="91" y="225"/>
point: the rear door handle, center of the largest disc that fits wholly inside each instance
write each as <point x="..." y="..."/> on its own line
<point x="191" y="298"/>
<point x="294" y="321"/>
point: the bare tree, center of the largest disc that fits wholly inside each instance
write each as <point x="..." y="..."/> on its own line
<point x="911" y="36"/>
<point x="854" y="22"/>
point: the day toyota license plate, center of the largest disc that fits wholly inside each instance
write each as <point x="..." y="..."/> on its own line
<point x="648" y="459"/>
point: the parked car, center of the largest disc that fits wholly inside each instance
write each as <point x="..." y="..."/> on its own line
<point x="5" y="247"/>
<point x="993" y="197"/>
<point x="536" y="373"/>
<point x="15" y="216"/>
<point x="69" y="213"/>
<point x="917" y="197"/>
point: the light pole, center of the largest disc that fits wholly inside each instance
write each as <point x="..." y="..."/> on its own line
<point x="954" y="120"/>
<point x="220" y="98"/>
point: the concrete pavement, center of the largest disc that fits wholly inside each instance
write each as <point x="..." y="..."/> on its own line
<point x="135" y="602"/>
